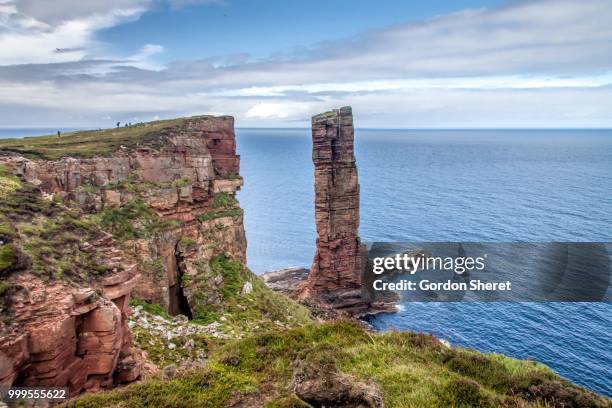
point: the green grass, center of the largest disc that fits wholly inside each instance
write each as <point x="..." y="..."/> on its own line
<point x="151" y="308"/>
<point x="224" y="200"/>
<point x="89" y="143"/>
<point x="244" y="313"/>
<point x="233" y="176"/>
<point x="53" y="245"/>
<point x="237" y="314"/>
<point x="187" y="243"/>
<point x="412" y="371"/>
<point x="224" y="205"/>
<point x="157" y="347"/>
<point x="8" y="257"/>
<point x="5" y="229"/>
<point x="5" y="170"/>
<point x="181" y="182"/>
<point x="8" y="183"/>
<point x="4" y="287"/>
<point x="212" y="215"/>
<point x="233" y="278"/>
<point x="133" y="220"/>
<point x="49" y="235"/>
<point x="133" y="184"/>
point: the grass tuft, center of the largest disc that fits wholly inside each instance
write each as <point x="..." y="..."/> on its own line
<point x="150" y="308"/>
<point x="133" y="220"/>
<point x="8" y="257"/>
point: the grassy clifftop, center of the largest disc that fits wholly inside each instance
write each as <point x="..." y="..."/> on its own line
<point x="88" y="143"/>
<point x="341" y="364"/>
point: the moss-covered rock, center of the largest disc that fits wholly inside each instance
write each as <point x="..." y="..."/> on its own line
<point x="4" y="287"/>
<point x="133" y="220"/>
<point x="8" y="258"/>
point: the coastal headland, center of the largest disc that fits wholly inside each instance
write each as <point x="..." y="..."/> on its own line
<point x="123" y="278"/>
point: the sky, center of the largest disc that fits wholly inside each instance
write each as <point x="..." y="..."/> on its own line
<point x="398" y="63"/>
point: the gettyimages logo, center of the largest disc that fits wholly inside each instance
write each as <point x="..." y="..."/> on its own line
<point x="413" y="262"/>
<point x="563" y="272"/>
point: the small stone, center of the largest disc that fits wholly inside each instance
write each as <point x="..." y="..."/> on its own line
<point x="169" y="372"/>
<point x="181" y="318"/>
<point x="247" y="288"/>
<point x="171" y="346"/>
<point x="445" y="343"/>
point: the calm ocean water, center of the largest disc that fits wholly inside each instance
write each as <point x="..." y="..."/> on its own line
<point x="529" y="186"/>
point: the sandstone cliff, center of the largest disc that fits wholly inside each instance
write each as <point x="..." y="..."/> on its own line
<point x="144" y="212"/>
<point x="168" y="196"/>
<point x="64" y="293"/>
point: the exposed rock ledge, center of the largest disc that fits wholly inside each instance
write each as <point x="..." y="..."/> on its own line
<point x="290" y="281"/>
<point x="61" y="335"/>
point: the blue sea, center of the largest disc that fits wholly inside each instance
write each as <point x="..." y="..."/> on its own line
<point x="459" y="185"/>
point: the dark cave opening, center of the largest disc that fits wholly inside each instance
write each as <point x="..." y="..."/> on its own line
<point x="178" y="300"/>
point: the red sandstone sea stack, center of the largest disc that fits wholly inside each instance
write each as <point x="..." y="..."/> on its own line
<point x="337" y="272"/>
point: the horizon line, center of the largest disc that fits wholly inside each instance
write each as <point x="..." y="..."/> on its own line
<point x="84" y="128"/>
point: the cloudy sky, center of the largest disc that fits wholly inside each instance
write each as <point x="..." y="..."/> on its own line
<point x="400" y="64"/>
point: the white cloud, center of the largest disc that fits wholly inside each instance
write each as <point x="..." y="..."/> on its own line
<point x="53" y="32"/>
<point x="144" y="58"/>
<point x="539" y="63"/>
<point x="43" y="31"/>
<point x="278" y="110"/>
<point x="494" y="82"/>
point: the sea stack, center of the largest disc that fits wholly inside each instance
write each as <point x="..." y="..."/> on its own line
<point x="337" y="271"/>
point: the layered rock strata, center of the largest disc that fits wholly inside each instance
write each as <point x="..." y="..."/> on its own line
<point x="168" y="202"/>
<point x="188" y="175"/>
<point x="338" y="268"/>
<point x="62" y="335"/>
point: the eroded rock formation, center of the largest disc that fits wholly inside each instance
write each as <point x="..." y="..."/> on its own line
<point x="188" y="174"/>
<point x="337" y="272"/>
<point x="169" y="205"/>
<point x="62" y="335"/>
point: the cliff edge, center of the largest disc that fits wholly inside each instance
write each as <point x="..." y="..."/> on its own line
<point x="93" y="221"/>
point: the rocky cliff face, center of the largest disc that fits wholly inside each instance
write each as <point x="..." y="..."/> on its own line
<point x="337" y="272"/>
<point x="160" y="210"/>
<point x="179" y="183"/>
<point x="64" y="291"/>
<point x="61" y="335"/>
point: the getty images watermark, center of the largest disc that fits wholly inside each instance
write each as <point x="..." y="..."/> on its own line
<point x="411" y="263"/>
<point x="452" y="271"/>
